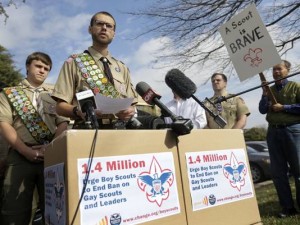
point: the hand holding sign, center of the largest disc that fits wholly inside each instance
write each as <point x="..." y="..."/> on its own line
<point x="268" y="89"/>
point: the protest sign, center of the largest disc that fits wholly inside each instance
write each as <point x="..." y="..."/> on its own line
<point x="249" y="44"/>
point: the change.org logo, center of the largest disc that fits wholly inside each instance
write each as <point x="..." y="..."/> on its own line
<point x="115" y="219"/>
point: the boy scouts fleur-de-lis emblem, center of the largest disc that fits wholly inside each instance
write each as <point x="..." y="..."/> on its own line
<point x="59" y="197"/>
<point x="156" y="182"/>
<point x="253" y="57"/>
<point x="235" y="172"/>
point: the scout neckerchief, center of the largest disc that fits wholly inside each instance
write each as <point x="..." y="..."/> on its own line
<point x="92" y="74"/>
<point x="28" y="114"/>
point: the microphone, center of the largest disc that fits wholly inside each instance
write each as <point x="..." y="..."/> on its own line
<point x="87" y="104"/>
<point x="134" y="123"/>
<point x="150" y="122"/>
<point x="180" y="84"/>
<point x="185" y="88"/>
<point x="152" y="98"/>
<point x="180" y="126"/>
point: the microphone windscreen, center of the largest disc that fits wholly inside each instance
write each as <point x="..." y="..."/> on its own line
<point x="183" y="86"/>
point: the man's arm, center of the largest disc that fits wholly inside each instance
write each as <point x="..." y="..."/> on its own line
<point x="61" y="128"/>
<point x="241" y="122"/>
<point x="12" y="138"/>
<point x="67" y="110"/>
<point x="200" y="118"/>
<point x="263" y="106"/>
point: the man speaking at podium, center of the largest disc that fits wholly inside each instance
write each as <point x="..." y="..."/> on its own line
<point x="97" y="70"/>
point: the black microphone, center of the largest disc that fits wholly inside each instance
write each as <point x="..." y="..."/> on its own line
<point x="87" y="104"/>
<point x="147" y="122"/>
<point x="180" y="126"/>
<point x="152" y="98"/>
<point x="180" y="84"/>
<point x="134" y="123"/>
<point x="185" y="88"/>
<point x="150" y="122"/>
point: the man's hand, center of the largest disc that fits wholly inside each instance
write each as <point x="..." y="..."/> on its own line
<point x="35" y="153"/>
<point x="264" y="88"/>
<point x="277" y="107"/>
<point x="126" y="114"/>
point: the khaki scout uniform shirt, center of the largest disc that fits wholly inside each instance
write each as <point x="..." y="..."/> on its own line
<point x="70" y="80"/>
<point x="146" y="109"/>
<point x="46" y="110"/>
<point x="232" y="108"/>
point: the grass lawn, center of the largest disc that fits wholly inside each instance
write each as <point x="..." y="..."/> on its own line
<point x="269" y="206"/>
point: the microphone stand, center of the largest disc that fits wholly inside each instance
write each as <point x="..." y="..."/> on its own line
<point x="223" y="98"/>
<point x="91" y="121"/>
<point x="217" y="118"/>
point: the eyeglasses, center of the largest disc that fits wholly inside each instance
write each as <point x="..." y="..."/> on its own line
<point x="101" y="24"/>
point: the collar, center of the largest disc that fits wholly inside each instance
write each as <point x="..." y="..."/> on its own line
<point x="225" y="93"/>
<point x="97" y="55"/>
<point x="25" y="84"/>
<point x="177" y="100"/>
<point x="281" y="85"/>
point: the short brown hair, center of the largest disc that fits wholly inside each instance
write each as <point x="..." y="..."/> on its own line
<point x="104" y="13"/>
<point x="41" y="56"/>
<point x="221" y="74"/>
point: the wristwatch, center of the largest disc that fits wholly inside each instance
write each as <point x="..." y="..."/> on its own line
<point x="75" y="111"/>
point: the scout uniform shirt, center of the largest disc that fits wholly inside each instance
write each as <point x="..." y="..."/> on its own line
<point x="46" y="110"/>
<point x="229" y="110"/>
<point x="144" y="109"/>
<point x="70" y="80"/>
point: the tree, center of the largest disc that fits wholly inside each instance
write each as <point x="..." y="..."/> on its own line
<point x="8" y="4"/>
<point x="255" y="134"/>
<point x="8" y="73"/>
<point x="192" y="26"/>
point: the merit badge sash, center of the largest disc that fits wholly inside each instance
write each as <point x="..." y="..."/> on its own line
<point x="28" y="114"/>
<point x="92" y="74"/>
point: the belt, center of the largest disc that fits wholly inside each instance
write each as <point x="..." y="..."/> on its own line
<point x="281" y="126"/>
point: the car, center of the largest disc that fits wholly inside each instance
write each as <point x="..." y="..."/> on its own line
<point x="260" y="146"/>
<point x="259" y="164"/>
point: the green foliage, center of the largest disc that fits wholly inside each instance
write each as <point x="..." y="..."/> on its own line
<point x="269" y="206"/>
<point x="8" y="73"/>
<point x="7" y="4"/>
<point x="255" y="134"/>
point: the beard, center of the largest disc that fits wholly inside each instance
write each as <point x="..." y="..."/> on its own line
<point x="100" y="40"/>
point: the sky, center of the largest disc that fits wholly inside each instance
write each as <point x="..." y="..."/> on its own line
<point x="60" y="28"/>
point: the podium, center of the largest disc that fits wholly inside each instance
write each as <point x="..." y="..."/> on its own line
<point x="149" y="177"/>
<point x="212" y="151"/>
<point x="123" y="163"/>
